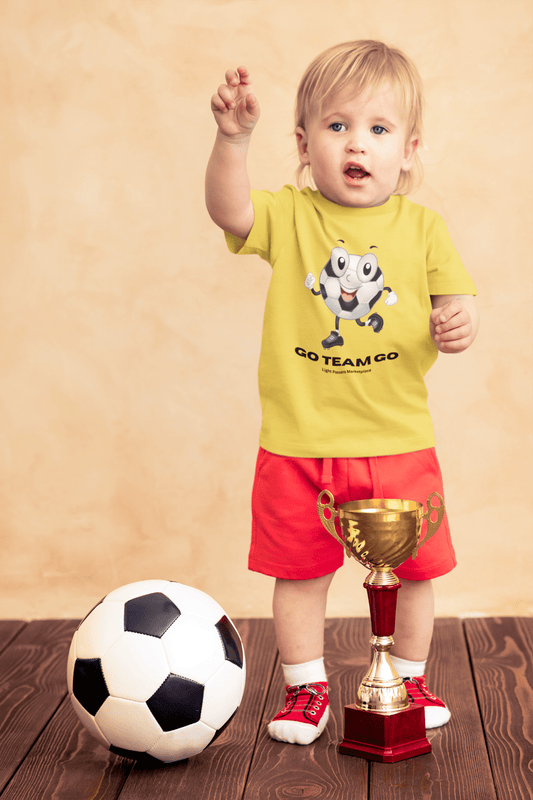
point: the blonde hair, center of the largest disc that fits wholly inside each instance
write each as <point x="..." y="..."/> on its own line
<point x="360" y="64"/>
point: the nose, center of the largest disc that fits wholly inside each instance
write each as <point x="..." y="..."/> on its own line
<point x="355" y="147"/>
<point x="356" y="143"/>
<point x="350" y="278"/>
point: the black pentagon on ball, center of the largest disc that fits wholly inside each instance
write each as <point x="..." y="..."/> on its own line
<point x="374" y="300"/>
<point x="231" y="641"/>
<point x="151" y="614"/>
<point x="329" y="270"/>
<point x="88" y="684"/>
<point x="177" y="702"/>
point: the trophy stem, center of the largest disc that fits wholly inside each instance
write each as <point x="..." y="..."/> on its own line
<point x="382" y="690"/>
<point x="382" y="600"/>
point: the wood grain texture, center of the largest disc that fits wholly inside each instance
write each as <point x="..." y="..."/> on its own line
<point x="458" y="768"/>
<point x="9" y="629"/>
<point x="67" y="763"/>
<point x="32" y="686"/>
<point x="220" y="772"/>
<point x="285" y="771"/>
<point x="46" y="754"/>
<point x="502" y="659"/>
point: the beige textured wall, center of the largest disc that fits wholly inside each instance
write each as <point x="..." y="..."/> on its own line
<point x="129" y="336"/>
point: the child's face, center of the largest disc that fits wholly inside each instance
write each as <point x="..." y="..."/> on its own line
<point x="357" y="147"/>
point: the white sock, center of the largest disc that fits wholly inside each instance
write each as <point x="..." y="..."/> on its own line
<point x="300" y="732"/>
<point x="308" y="672"/>
<point x="435" y="715"/>
<point x="408" y="669"/>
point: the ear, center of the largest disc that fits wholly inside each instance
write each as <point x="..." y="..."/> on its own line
<point x="301" y="142"/>
<point x="409" y="153"/>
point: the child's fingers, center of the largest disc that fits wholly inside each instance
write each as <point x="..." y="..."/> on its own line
<point x="439" y="315"/>
<point x="450" y="316"/>
<point x="454" y="346"/>
<point x="228" y="92"/>
<point x="236" y="96"/>
<point x="252" y="106"/>
<point x="227" y="95"/>
<point x="244" y="75"/>
<point x="454" y="334"/>
<point x="232" y="77"/>
<point x="218" y="104"/>
<point x="445" y="313"/>
<point x="456" y="322"/>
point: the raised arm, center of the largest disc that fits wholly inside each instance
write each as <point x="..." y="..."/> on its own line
<point x="227" y="186"/>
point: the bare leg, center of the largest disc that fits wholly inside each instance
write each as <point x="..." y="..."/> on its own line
<point x="414" y="620"/>
<point x="299" y="613"/>
<point x="414" y="630"/>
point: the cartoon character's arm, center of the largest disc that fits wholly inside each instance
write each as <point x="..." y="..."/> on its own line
<point x="310" y="282"/>
<point x="392" y="297"/>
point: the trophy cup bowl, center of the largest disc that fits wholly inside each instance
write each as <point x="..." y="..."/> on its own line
<point x="381" y="534"/>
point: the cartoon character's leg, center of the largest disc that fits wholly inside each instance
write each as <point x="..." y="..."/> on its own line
<point x="374" y="320"/>
<point x="334" y="339"/>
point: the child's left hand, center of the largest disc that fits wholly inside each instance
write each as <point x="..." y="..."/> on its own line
<point x="453" y="322"/>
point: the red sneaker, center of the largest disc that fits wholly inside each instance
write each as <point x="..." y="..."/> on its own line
<point x="304" y="716"/>
<point x="436" y="712"/>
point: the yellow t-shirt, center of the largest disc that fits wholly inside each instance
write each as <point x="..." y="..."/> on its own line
<point x="343" y="357"/>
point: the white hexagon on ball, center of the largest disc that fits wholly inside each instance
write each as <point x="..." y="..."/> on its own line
<point x="135" y="666"/>
<point x="332" y="287"/>
<point x="127" y="724"/>
<point x="100" y="629"/>
<point x="193" y="648"/>
<point x="187" y="741"/>
<point x="222" y="694"/>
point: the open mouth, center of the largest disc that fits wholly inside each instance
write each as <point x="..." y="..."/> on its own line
<point x="347" y="296"/>
<point x="355" y="172"/>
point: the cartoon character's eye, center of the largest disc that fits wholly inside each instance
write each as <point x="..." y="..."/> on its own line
<point x="340" y="261"/>
<point x="367" y="268"/>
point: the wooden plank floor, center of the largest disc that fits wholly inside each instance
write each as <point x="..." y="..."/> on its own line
<point x="482" y="667"/>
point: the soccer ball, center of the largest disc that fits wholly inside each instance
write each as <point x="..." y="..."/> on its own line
<point x="351" y="285"/>
<point x="156" y="669"/>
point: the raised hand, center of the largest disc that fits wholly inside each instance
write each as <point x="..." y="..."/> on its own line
<point x="310" y="280"/>
<point x="235" y="105"/>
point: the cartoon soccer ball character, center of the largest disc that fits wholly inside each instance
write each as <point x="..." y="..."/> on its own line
<point x="350" y="286"/>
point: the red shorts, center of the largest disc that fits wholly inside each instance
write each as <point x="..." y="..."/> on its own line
<point x="288" y="539"/>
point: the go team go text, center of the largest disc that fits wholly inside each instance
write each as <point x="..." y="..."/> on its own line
<point x="337" y="361"/>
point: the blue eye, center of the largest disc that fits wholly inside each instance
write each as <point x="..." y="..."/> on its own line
<point x="338" y="127"/>
<point x="379" y="129"/>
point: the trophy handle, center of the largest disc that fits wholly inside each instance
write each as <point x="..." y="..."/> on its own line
<point x="329" y="523"/>
<point x="432" y="527"/>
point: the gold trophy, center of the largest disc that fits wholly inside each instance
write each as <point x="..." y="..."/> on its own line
<point x="381" y="534"/>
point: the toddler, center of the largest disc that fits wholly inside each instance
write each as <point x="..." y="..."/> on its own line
<point x="366" y="288"/>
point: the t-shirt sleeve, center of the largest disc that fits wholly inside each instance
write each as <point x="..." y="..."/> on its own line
<point x="445" y="270"/>
<point x="273" y="223"/>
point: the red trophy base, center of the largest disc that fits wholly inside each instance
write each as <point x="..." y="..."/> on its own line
<point x="384" y="737"/>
